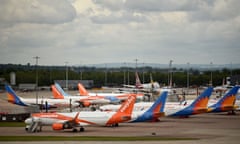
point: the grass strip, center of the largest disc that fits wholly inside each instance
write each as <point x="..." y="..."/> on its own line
<point x="90" y="138"/>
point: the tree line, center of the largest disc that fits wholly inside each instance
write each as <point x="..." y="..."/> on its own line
<point x="116" y="76"/>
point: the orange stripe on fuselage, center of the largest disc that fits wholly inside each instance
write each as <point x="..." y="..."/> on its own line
<point x="60" y="117"/>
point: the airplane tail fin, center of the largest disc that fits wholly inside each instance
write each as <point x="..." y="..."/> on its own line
<point x="155" y="111"/>
<point x="60" y="90"/>
<point x="82" y="90"/>
<point x="127" y="106"/>
<point x="56" y="93"/>
<point x="227" y="102"/>
<point x="12" y="97"/>
<point x="202" y="99"/>
<point x="124" y="112"/>
<point x="159" y="104"/>
<point x="138" y="83"/>
<point x="199" y="105"/>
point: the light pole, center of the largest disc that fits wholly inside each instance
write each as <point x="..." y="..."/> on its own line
<point x="143" y="74"/>
<point x="105" y="74"/>
<point x="128" y="74"/>
<point x="66" y="85"/>
<point x="136" y="63"/>
<point x="36" y="87"/>
<point x="124" y="73"/>
<point x="170" y="74"/>
<point x="211" y="82"/>
<point x="188" y="76"/>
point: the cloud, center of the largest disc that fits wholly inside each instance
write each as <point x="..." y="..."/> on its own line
<point x="90" y="31"/>
<point x="36" y="11"/>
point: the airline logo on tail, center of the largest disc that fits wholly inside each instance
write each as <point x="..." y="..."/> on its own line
<point x="125" y="111"/>
<point x="198" y="106"/>
<point x="128" y="102"/>
<point x="12" y="97"/>
<point x="226" y="103"/>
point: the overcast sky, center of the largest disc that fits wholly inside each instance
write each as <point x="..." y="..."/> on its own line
<point x="83" y="32"/>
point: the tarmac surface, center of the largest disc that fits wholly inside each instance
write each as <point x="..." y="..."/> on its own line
<point x="211" y="128"/>
<point x="219" y="128"/>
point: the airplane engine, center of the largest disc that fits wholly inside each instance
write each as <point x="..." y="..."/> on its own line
<point x="57" y="126"/>
<point x="86" y="103"/>
<point x="61" y="126"/>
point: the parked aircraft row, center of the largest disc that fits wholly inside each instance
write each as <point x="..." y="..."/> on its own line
<point x="60" y="98"/>
<point x="127" y="112"/>
<point x="226" y="103"/>
<point x="61" y="121"/>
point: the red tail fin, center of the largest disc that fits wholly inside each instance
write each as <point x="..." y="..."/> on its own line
<point x="138" y="82"/>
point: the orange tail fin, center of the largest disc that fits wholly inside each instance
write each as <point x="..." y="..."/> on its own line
<point x="82" y="90"/>
<point x="56" y="93"/>
<point x="124" y="112"/>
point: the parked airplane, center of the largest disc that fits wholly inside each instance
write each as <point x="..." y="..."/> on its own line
<point x="84" y="101"/>
<point x="51" y="103"/>
<point x="61" y="121"/>
<point x="226" y="103"/>
<point x="119" y="96"/>
<point x="197" y="106"/>
<point x="147" y="86"/>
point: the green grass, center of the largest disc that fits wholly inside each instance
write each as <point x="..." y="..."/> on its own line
<point x="90" y="138"/>
<point x="12" y="124"/>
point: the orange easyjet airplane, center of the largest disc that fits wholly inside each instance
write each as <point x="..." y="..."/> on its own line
<point x="61" y="121"/>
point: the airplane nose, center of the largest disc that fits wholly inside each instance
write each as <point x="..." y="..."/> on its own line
<point x="28" y="121"/>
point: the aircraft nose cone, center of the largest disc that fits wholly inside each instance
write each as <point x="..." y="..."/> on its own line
<point x="28" y="121"/>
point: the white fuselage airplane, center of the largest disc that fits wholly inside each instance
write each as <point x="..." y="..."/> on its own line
<point x="43" y="102"/>
<point x="83" y="101"/>
<point x="61" y="121"/>
<point x="87" y="99"/>
<point x="119" y="96"/>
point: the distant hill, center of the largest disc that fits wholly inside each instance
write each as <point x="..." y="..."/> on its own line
<point x="178" y="66"/>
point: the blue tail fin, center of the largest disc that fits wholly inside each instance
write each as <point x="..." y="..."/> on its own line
<point x="155" y="111"/>
<point x="12" y="97"/>
<point x="226" y="103"/>
<point x="59" y="88"/>
<point x="198" y="106"/>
